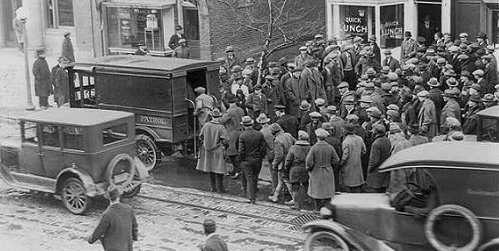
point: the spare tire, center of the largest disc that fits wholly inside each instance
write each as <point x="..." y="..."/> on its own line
<point x="113" y="164"/>
<point x="436" y="213"/>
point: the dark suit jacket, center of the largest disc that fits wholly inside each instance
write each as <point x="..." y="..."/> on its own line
<point x="214" y="243"/>
<point x="252" y="145"/>
<point x="393" y="64"/>
<point x="174" y="41"/>
<point x="117" y="228"/>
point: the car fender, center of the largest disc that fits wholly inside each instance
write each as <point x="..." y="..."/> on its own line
<point x="83" y="175"/>
<point x="141" y="169"/>
<point x="155" y="136"/>
<point x="353" y="238"/>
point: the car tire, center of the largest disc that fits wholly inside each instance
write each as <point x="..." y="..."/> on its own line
<point x="131" y="193"/>
<point x="315" y="239"/>
<point x="148" y="152"/>
<point x="490" y="246"/>
<point x="74" y="197"/>
<point x="112" y="166"/>
<point x="436" y="213"/>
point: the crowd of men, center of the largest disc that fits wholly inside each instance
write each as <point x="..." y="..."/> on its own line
<point x="327" y="119"/>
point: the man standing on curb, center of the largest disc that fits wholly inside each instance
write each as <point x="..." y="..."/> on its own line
<point x="43" y="86"/>
<point x="117" y="229"/>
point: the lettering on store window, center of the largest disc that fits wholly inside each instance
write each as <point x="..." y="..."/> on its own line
<point x="355" y="26"/>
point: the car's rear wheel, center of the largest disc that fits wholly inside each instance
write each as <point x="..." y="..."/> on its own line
<point x="74" y="197"/>
<point x="148" y="152"/>
<point x="325" y="241"/>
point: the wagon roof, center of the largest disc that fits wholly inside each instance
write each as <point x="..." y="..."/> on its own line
<point x="472" y="155"/>
<point x="76" y="116"/>
<point x="490" y="112"/>
<point x="147" y="63"/>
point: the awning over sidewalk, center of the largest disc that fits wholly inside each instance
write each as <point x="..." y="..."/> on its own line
<point x="145" y="4"/>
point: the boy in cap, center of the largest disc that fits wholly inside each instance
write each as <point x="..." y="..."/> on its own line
<point x="174" y="39"/>
<point x="43" y="86"/>
<point x="117" y="228"/>
<point x="213" y="241"/>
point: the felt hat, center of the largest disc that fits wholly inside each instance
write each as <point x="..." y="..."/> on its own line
<point x="385" y="69"/>
<point x="349" y="100"/>
<point x="113" y="192"/>
<point x="262" y="119"/>
<point x="370" y="72"/>
<point x="407" y="34"/>
<point x="475" y="98"/>
<point x="280" y="107"/>
<point x="476" y="86"/>
<point x="343" y="85"/>
<point x="451" y="82"/>
<point x="450" y="73"/>
<point x="331" y="109"/>
<point x="327" y="126"/>
<point x="216" y="113"/>
<point x="421" y="39"/>
<point x="456" y="136"/>
<point x="357" y="39"/>
<point x="247" y="121"/>
<point x="393" y="107"/>
<point x="315" y="115"/>
<point x="465" y="73"/>
<point x="463" y="48"/>
<point x="481" y="35"/>
<point x="319" y="102"/>
<point x="488" y="98"/>
<point x="433" y="82"/>
<point x="275" y="128"/>
<point x="463" y="34"/>
<point x="369" y="86"/>
<point x="451" y="93"/>
<point x="304" y="105"/>
<point x="229" y="49"/>
<point x="478" y="72"/>
<point x="352" y="118"/>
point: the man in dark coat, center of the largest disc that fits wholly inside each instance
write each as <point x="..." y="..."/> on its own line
<point x="252" y="149"/>
<point x="312" y="80"/>
<point x="490" y="73"/>
<point x="118" y="228"/>
<point x="380" y="151"/>
<point x="61" y="83"/>
<point x="436" y="95"/>
<point x="67" y="48"/>
<point x="288" y="123"/>
<point x="213" y="241"/>
<point x="174" y="39"/>
<point x="141" y="50"/>
<point x="390" y="61"/>
<point x="470" y="114"/>
<point x="375" y="48"/>
<point x="43" y="86"/>
<point x="295" y="93"/>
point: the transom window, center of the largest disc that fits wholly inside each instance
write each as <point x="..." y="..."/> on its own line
<point x="60" y="13"/>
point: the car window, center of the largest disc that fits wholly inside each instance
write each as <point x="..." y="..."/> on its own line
<point x="30" y="133"/>
<point x="114" y="133"/>
<point x="489" y="130"/>
<point x="50" y="135"/>
<point x="72" y="137"/>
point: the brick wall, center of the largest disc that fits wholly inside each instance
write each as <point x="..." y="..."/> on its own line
<point x="226" y="30"/>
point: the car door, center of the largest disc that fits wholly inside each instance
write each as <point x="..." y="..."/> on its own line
<point x="50" y="150"/>
<point x="31" y="156"/>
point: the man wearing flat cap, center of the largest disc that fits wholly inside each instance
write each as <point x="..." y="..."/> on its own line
<point x="182" y="51"/>
<point x="302" y="57"/>
<point x="408" y="47"/>
<point x="451" y="108"/>
<point x="471" y="109"/>
<point x="390" y="61"/>
<point x="117" y="228"/>
<point x="43" y="85"/>
<point x="427" y="116"/>
<point x="213" y="241"/>
<point x="174" y="39"/>
<point x="67" y="48"/>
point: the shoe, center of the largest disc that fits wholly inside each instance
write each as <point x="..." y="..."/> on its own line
<point x="291" y="202"/>
<point x="273" y="199"/>
<point x="235" y="176"/>
<point x="251" y="201"/>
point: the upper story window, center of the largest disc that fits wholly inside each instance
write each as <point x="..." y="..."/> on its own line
<point x="60" y="13"/>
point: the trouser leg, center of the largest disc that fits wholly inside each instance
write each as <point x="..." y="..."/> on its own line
<point x="273" y="176"/>
<point x="244" y="181"/>
<point x="213" y="182"/>
<point x="248" y="172"/>
<point x="220" y="182"/>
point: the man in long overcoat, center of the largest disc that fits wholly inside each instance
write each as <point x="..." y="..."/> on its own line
<point x="61" y="83"/>
<point x="451" y="108"/>
<point x="408" y="47"/>
<point x="295" y="92"/>
<point x="311" y="78"/>
<point x="380" y="151"/>
<point x="67" y="48"/>
<point x="43" y="86"/>
<point x="351" y="162"/>
<point x="427" y="116"/>
<point x="211" y="160"/>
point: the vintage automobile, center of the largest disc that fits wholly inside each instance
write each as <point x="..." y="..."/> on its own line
<point x="75" y="154"/>
<point x="488" y="124"/>
<point x="159" y="91"/>
<point x="465" y="215"/>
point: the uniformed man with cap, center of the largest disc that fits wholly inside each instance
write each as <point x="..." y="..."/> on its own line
<point x="174" y="39"/>
<point x="427" y="117"/>
<point x="182" y="51"/>
<point x="204" y="105"/>
<point x="213" y="241"/>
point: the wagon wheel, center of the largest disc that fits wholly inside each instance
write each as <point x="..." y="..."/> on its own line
<point x="148" y="152"/>
<point x="325" y="241"/>
<point x="74" y="197"/>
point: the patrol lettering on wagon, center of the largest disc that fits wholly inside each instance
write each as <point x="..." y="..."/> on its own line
<point x="152" y="120"/>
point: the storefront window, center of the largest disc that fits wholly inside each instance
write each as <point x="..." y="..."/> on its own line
<point x="392" y="25"/>
<point x="357" y="21"/>
<point x="129" y="26"/>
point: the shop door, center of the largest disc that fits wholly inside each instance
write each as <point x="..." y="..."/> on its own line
<point x="191" y="29"/>
<point x="429" y="21"/>
<point x="474" y="11"/>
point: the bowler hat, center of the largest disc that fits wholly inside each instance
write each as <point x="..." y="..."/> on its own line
<point x="475" y="98"/>
<point x="262" y="119"/>
<point x="433" y="82"/>
<point x="216" y="113"/>
<point x="246" y="121"/>
<point x="304" y="106"/>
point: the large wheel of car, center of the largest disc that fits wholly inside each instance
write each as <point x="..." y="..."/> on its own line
<point x="450" y="209"/>
<point x="490" y="246"/>
<point x="148" y="152"/>
<point x="116" y="173"/>
<point x="74" y="197"/>
<point x="325" y="240"/>
<point x="129" y="193"/>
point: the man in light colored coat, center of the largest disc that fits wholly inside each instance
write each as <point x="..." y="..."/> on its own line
<point x="451" y="108"/>
<point x="351" y="163"/>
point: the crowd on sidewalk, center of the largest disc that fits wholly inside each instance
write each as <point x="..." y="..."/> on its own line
<point x="327" y="119"/>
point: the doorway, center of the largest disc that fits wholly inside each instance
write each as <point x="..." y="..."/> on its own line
<point x="429" y="21"/>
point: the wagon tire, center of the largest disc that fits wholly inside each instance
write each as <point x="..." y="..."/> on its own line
<point x="131" y="193"/>
<point x="74" y="197"/>
<point x="114" y="163"/>
<point x="316" y="238"/>
<point x="148" y="152"/>
<point x="474" y="222"/>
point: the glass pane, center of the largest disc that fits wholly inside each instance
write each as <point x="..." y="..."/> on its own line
<point x="30" y="134"/>
<point x="72" y="137"/>
<point x="489" y="129"/>
<point x="129" y="26"/>
<point x="392" y="25"/>
<point x="114" y="133"/>
<point x="357" y="21"/>
<point x="191" y="24"/>
<point x="50" y="135"/>
<point x="66" y="17"/>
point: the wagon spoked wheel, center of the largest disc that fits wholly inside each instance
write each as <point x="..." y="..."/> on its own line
<point x="148" y="152"/>
<point x="74" y="197"/>
<point x="325" y="241"/>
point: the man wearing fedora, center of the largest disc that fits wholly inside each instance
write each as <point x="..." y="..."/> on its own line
<point x="408" y="47"/>
<point x="43" y="86"/>
<point x="390" y="61"/>
<point x="67" y="48"/>
<point x="182" y="51"/>
<point x="214" y="138"/>
<point x="174" y="39"/>
<point x="230" y="58"/>
<point x="436" y="95"/>
<point x="213" y="241"/>
<point x="117" y="228"/>
<point x="252" y="149"/>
